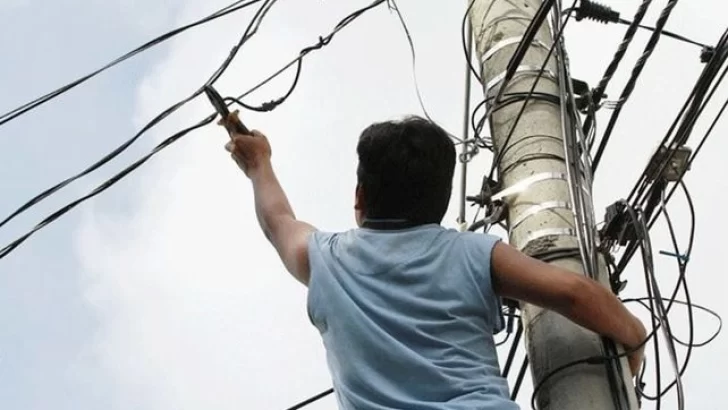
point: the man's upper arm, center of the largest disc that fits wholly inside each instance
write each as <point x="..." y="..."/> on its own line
<point x="290" y="238"/>
<point x="521" y="277"/>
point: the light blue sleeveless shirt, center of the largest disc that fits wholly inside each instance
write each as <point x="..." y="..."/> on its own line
<point x="407" y="318"/>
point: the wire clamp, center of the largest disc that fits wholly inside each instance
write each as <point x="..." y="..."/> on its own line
<point x="618" y="226"/>
<point x="669" y="164"/>
<point x="507" y="42"/>
<point x="521" y="71"/>
<point x="680" y="257"/>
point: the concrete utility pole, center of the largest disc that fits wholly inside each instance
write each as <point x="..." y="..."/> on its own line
<point x="541" y="216"/>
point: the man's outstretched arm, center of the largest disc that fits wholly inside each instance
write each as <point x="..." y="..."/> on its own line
<point x="288" y="235"/>
<point x="582" y="300"/>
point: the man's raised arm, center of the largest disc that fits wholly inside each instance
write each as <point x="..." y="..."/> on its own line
<point x="288" y="235"/>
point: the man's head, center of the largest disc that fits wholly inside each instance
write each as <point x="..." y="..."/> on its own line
<point x="405" y="171"/>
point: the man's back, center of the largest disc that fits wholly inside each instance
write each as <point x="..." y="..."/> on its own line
<point x="407" y="318"/>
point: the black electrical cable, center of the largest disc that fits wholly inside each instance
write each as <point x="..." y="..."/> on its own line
<point x="512" y="351"/>
<point x="13" y="245"/>
<point x="664" y="33"/>
<point x="682" y="282"/>
<point x="654" y="320"/>
<point x="679" y="370"/>
<point x="629" y="87"/>
<point x="393" y="6"/>
<point x="101" y="188"/>
<point x="711" y="312"/>
<point x="464" y="41"/>
<point x="653" y="288"/>
<point x="249" y="32"/>
<point x="323" y="41"/>
<point x="594" y="360"/>
<point x="311" y="400"/>
<point x="31" y="105"/>
<point x="509" y="332"/>
<point x="271" y="105"/>
<point x="519" y="378"/>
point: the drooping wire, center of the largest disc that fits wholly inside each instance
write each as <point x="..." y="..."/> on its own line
<point x="101" y="188"/>
<point x="662" y="314"/>
<point x="393" y="6"/>
<point x="166" y="143"/>
<point x="249" y="33"/>
<point x="31" y="105"/>
<point x="653" y="287"/>
<point x="641" y="301"/>
<point x="323" y="41"/>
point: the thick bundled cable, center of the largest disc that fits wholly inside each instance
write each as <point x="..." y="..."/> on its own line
<point x="579" y="179"/>
<point x="166" y="143"/>
<point x="250" y="31"/>
<point x="629" y="35"/>
<point x="31" y="105"/>
<point x="629" y="87"/>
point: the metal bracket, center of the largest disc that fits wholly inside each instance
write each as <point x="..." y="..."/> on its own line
<point x="677" y="166"/>
<point x="521" y="70"/>
<point x="535" y="209"/>
<point x="507" y="42"/>
<point x="523" y="184"/>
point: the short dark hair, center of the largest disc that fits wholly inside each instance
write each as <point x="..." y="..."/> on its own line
<point x="405" y="170"/>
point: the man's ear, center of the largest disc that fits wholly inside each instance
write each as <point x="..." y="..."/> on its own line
<point x="359" y="198"/>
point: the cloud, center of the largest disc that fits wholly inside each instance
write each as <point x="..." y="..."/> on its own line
<point x="196" y="311"/>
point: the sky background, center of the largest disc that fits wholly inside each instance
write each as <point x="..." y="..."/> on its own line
<point x="162" y="293"/>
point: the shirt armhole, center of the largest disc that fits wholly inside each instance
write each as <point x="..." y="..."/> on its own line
<point x="486" y="243"/>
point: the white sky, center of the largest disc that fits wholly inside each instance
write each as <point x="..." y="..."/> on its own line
<point x="162" y="293"/>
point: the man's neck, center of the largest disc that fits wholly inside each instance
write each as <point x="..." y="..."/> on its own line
<point x="388" y="224"/>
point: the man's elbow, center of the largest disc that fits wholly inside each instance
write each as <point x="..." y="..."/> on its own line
<point x="274" y="225"/>
<point x="577" y="293"/>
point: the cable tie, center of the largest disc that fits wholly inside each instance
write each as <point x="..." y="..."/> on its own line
<point x="681" y="257"/>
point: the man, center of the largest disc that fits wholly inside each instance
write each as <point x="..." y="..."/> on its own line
<point x="406" y="308"/>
